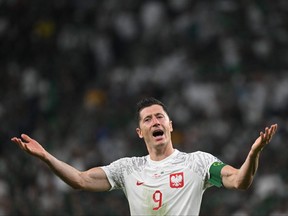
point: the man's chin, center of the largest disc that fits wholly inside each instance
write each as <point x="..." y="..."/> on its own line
<point x="159" y="139"/>
<point x="159" y="144"/>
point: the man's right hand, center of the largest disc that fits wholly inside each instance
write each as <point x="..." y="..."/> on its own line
<point x="30" y="145"/>
<point x="94" y="179"/>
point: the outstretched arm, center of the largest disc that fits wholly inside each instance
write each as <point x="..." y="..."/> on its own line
<point x="243" y="177"/>
<point x="93" y="179"/>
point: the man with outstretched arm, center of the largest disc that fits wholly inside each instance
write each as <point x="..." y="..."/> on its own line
<point x="164" y="182"/>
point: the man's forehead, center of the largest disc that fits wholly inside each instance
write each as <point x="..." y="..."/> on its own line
<point x="152" y="110"/>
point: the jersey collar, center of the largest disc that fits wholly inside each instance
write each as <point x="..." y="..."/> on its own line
<point x="175" y="152"/>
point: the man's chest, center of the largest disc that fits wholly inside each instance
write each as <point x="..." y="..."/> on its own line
<point x="157" y="188"/>
<point x="163" y="177"/>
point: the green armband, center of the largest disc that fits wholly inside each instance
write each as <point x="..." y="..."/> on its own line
<point x="215" y="173"/>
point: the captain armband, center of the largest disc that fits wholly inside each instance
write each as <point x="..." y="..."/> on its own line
<point x="215" y="173"/>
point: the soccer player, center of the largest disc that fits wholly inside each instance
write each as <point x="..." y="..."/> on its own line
<point x="166" y="181"/>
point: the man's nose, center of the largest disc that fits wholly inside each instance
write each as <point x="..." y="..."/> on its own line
<point x="155" y="121"/>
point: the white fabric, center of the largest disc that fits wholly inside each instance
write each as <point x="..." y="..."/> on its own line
<point x="173" y="186"/>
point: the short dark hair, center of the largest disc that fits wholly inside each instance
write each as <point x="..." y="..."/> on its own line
<point x="146" y="102"/>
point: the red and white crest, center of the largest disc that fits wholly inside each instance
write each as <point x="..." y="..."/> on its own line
<point x="177" y="180"/>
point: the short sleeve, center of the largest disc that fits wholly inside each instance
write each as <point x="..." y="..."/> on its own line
<point x="115" y="173"/>
<point x="201" y="166"/>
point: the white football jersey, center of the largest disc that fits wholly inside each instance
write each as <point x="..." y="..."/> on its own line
<point x="173" y="186"/>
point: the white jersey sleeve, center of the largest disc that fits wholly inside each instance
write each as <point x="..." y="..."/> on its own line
<point x="118" y="169"/>
<point x="201" y="162"/>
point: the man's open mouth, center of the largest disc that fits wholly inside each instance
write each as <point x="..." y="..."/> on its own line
<point x="157" y="133"/>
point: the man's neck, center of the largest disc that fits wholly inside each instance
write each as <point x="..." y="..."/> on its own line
<point x="157" y="154"/>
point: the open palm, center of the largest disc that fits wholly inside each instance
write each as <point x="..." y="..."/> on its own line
<point x="264" y="138"/>
<point x="29" y="145"/>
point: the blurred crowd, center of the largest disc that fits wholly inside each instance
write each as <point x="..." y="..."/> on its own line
<point x="71" y="73"/>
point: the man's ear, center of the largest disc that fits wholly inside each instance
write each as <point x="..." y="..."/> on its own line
<point x="171" y="126"/>
<point x="139" y="132"/>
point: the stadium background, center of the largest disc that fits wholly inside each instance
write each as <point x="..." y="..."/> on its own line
<point x="72" y="71"/>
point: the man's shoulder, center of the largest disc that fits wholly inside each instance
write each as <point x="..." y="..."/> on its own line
<point x="132" y="161"/>
<point x="195" y="153"/>
<point x="195" y="156"/>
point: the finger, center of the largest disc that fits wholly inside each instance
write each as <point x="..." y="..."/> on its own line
<point x="26" y="137"/>
<point x="269" y="134"/>
<point x="266" y="131"/>
<point x="13" y="139"/>
<point x="25" y="147"/>
<point x="275" y="126"/>
<point x="273" y="131"/>
<point x="18" y="141"/>
<point x="266" y="136"/>
<point x="262" y="136"/>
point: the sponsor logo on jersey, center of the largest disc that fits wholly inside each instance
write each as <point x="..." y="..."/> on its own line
<point x="158" y="175"/>
<point x="177" y="180"/>
<point x="138" y="183"/>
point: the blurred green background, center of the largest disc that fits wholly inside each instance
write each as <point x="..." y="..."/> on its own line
<point x="72" y="71"/>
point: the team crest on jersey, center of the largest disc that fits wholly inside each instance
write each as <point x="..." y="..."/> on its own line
<point x="177" y="180"/>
